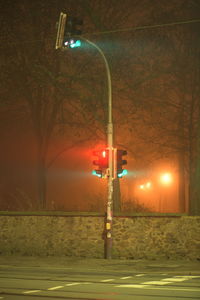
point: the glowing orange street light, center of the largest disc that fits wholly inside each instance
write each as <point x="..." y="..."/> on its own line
<point x="148" y="185"/>
<point x="145" y="186"/>
<point x="166" y="178"/>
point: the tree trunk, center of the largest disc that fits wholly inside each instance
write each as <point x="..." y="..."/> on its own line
<point x="41" y="179"/>
<point x="42" y="187"/>
<point x="194" y="190"/>
<point x="181" y="183"/>
<point x="194" y="204"/>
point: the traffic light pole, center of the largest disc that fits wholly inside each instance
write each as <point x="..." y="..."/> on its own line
<point x="109" y="213"/>
<point x="59" y="45"/>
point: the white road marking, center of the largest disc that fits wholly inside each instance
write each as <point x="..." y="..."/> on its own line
<point x="127" y="277"/>
<point x="152" y="284"/>
<point x="73" y="283"/>
<point x="138" y="286"/>
<point x="107" y="280"/>
<point x="30" y="292"/>
<point x="188" y="277"/>
<point x="174" y="279"/>
<point x="56" y="288"/>
<point x="175" y="289"/>
<point x="157" y="282"/>
<point x="149" y="287"/>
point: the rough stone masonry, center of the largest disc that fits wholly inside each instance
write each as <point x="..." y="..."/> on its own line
<point x="134" y="237"/>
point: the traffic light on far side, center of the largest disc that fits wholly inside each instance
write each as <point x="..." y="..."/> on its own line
<point x="120" y="163"/>
<point x="72" y="43"/>
<point x="68" y="29"/>
<point x="72" y="29"/>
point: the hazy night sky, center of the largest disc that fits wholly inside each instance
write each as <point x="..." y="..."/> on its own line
<point x="54" y="104"/>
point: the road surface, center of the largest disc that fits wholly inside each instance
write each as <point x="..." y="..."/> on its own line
<point x="97" y="282"/>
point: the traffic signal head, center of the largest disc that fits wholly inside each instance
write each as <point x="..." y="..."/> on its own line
<point x="102" y="158"/>
<point x="68" y="29"/>
<point x="120" y="162"/>
<point x="101" y="162"/>
<point x="72" y="29"/>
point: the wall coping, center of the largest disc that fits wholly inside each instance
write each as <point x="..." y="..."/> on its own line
<point x="87" y="214"/>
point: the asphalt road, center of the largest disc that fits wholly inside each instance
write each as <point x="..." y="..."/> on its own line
<point x="120" y="281"/>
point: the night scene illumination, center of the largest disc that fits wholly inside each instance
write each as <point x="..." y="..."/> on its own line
<point x="100" y="149"/>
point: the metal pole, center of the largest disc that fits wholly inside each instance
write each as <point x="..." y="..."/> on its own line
<point x="109" y="212"/>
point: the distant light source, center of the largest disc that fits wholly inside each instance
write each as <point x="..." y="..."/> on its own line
<point x="141" y="186"/>
<point x="166" y="178"/>
<point x="145" y="186"/>
<point x="148" y="185"/>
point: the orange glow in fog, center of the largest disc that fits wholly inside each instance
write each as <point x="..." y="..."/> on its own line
<point x="145" y="186"/>
<point x="166" y="178"/>
<point x="141" y="186"/>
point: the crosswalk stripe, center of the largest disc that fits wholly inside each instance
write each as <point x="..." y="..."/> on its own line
<point x="30" y="292"/>
<point x="188" y="276"/>
<point x="73" y="283"/>
<point x="150" y="287"/>
<point x="55" y="287"/>
<point x="107" y="280"/>
<point x="174" y="279"/>
<point x="138" y="286"/>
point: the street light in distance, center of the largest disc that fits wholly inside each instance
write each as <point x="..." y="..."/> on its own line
<point x="166" y="178"/>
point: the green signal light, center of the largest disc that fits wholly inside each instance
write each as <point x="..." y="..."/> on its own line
<point x="75" y="44"/>
<point x="124" y="172"/>
<point x="97" y="173"/>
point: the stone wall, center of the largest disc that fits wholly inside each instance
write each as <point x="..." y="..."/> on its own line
<point x="134" y="237"/>
<point x="52" y="235"/>
<point x="157" y="237"/>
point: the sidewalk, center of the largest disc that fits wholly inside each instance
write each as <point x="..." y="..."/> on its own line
<point x="180" y="267"/>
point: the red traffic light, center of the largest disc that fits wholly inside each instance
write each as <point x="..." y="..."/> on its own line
<point x="102" y="159"/>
